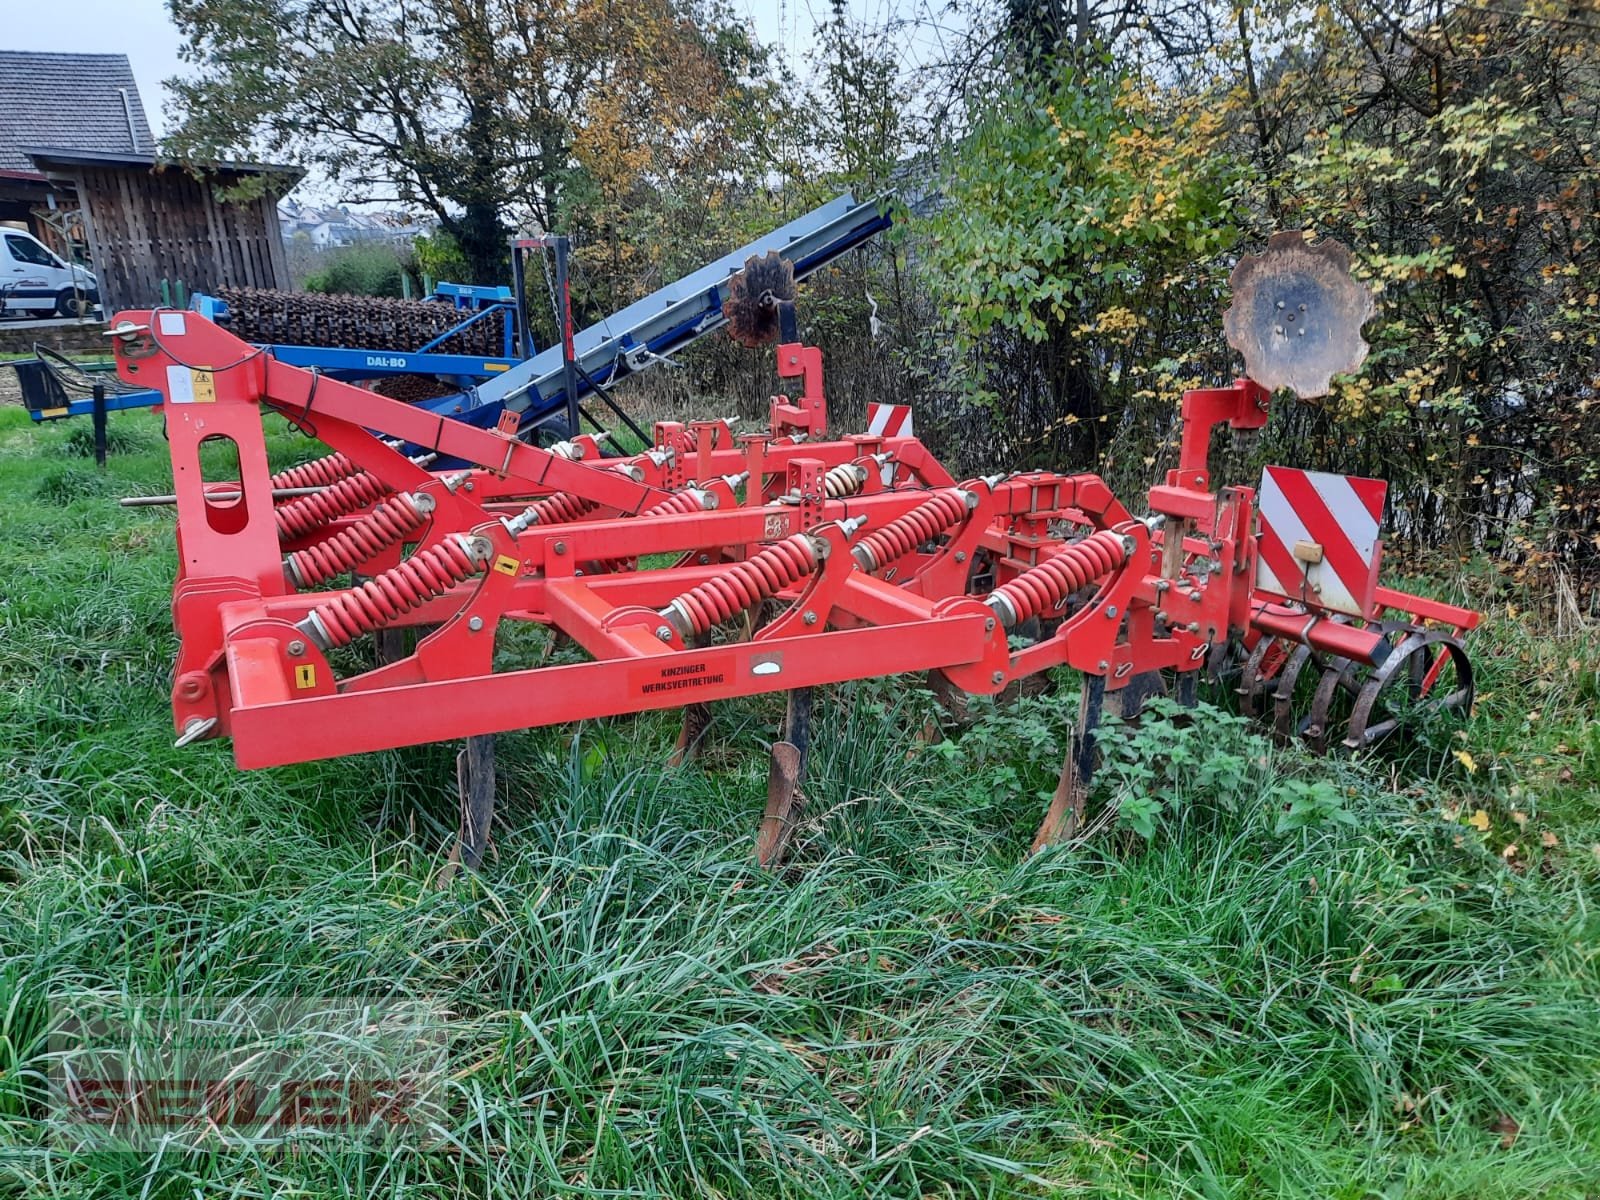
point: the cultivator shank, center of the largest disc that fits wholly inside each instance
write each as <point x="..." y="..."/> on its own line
<point x="714" y="565"/>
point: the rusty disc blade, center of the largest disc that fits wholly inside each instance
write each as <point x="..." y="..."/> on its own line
<point x="1297" y="314"/>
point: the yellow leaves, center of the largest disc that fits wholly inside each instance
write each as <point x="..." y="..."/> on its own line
<point x="1509" y="851"/>
<point x="1549" y="840"/>
<point x="1479" y="820"/>
<point x="1456" y="271"/>
<point x="1520" y="818"/>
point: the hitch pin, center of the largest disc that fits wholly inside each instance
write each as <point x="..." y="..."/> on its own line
<point x="194" y="729"/>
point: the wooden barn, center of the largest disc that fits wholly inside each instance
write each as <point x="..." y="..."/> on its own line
<point x="79" y="169"/>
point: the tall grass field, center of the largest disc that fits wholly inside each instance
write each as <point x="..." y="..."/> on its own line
<point x="1260" y="974"/>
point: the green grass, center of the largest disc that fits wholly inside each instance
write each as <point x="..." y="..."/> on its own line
<point x="1354" y="1009"/>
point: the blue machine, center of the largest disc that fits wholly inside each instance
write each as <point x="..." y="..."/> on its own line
<point x="665" y="321"/>
<point x="626" y="342"/>
<point x="463" y="370"/>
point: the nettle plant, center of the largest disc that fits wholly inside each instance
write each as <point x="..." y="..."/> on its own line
<point x="1172" y="758"/>
<point x="1167" y="761"/>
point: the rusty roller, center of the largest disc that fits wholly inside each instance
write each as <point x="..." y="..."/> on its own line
<point x="352" y="322"/>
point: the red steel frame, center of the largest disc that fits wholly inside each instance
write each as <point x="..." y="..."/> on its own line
<point x="1132" y="596"/>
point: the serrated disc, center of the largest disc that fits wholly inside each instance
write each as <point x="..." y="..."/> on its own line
<point x="1297" y="314"/>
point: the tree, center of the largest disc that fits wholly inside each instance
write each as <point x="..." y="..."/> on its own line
<point x="484" y="112"/>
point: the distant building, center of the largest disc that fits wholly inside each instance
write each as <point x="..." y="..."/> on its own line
<point x="327" y="228"/>
<point x="79" y="169"/>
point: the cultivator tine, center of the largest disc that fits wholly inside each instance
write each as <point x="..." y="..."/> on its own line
<point x="475" y="783"/>
<point x="691" y="734"/>
<point x="696" y="724"/>
<point x="1189" y="688"/>
<point x="388" y="645"/>
<point x="1064" y="817"/>
<point x="785" y="800"/>
<point x="1129" y="701"/>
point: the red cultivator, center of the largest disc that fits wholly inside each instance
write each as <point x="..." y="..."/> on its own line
<point x="866" y="557"/>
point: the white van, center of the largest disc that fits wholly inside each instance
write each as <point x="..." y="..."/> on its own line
<point x="34" y="282"/>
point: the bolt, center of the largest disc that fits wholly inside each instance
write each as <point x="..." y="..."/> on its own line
<point x="988" y="626"/>
<point x="810" y="618"/>
<point x="664" y="632"/>
<point x="1199" y="481"/>
<point x="297" y="648"/>
<point x="1111" y="612"/>
<point x="1102" y="665"/>
<point x="997" y="678"/>
<point x="1162" y="585"/>
<point x="474" y="623"/>
<point x="468" y="486"/>
<point x="704" y="559"/>
<point x="561" y="547"/>
<point x="961" y="556"/>
<point x="1194" y="596"/>
<point x="1161" y="614"/>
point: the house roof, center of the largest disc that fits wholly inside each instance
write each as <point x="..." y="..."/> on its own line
<point x="55" y="157"/>
<point x="86" y="102"/>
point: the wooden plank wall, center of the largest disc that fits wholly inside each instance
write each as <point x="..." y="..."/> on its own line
<point x="149" y="225"/>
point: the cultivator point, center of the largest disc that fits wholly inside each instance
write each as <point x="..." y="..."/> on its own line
<point x="714" y="565"/>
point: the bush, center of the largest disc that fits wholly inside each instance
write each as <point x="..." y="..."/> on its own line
<point x="371" y="270"/>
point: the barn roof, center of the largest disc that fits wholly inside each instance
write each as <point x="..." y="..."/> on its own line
<point x="85" y="102"/>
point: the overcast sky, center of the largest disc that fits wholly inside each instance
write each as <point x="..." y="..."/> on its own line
<point x="143" y="31"/>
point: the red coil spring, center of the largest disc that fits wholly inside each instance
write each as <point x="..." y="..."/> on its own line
<point x="385" y="525"/>
<point x="905" y="533"/>
<point x="745" y="584"/>
<point x="1045" y="586"/>
<point x="305" y="514"/>
<point x="430" y="573"/>
<point x="561" y="507"/>
<point x="319" y="472"/>
<point x="687" y="501"/>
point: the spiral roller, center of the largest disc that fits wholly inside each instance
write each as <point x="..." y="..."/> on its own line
<point x="389" y="522"/>
<point x="399" y="590"/>
<point x="743" y="586"/>
<point x="1045" y="586"/>
<point x="916" y="528"/>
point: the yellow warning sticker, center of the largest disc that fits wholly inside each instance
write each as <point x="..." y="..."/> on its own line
<point x="496" y="368"/>
<point x="205" y="386"/>
<point x="305" y="676"/>
<point x="507" y="565"/>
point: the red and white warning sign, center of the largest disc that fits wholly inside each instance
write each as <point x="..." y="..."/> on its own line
<point x="889" y="420"/>
<point x="1319" y="538"/>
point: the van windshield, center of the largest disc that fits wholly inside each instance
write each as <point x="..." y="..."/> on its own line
<point x="25" y="249"/>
